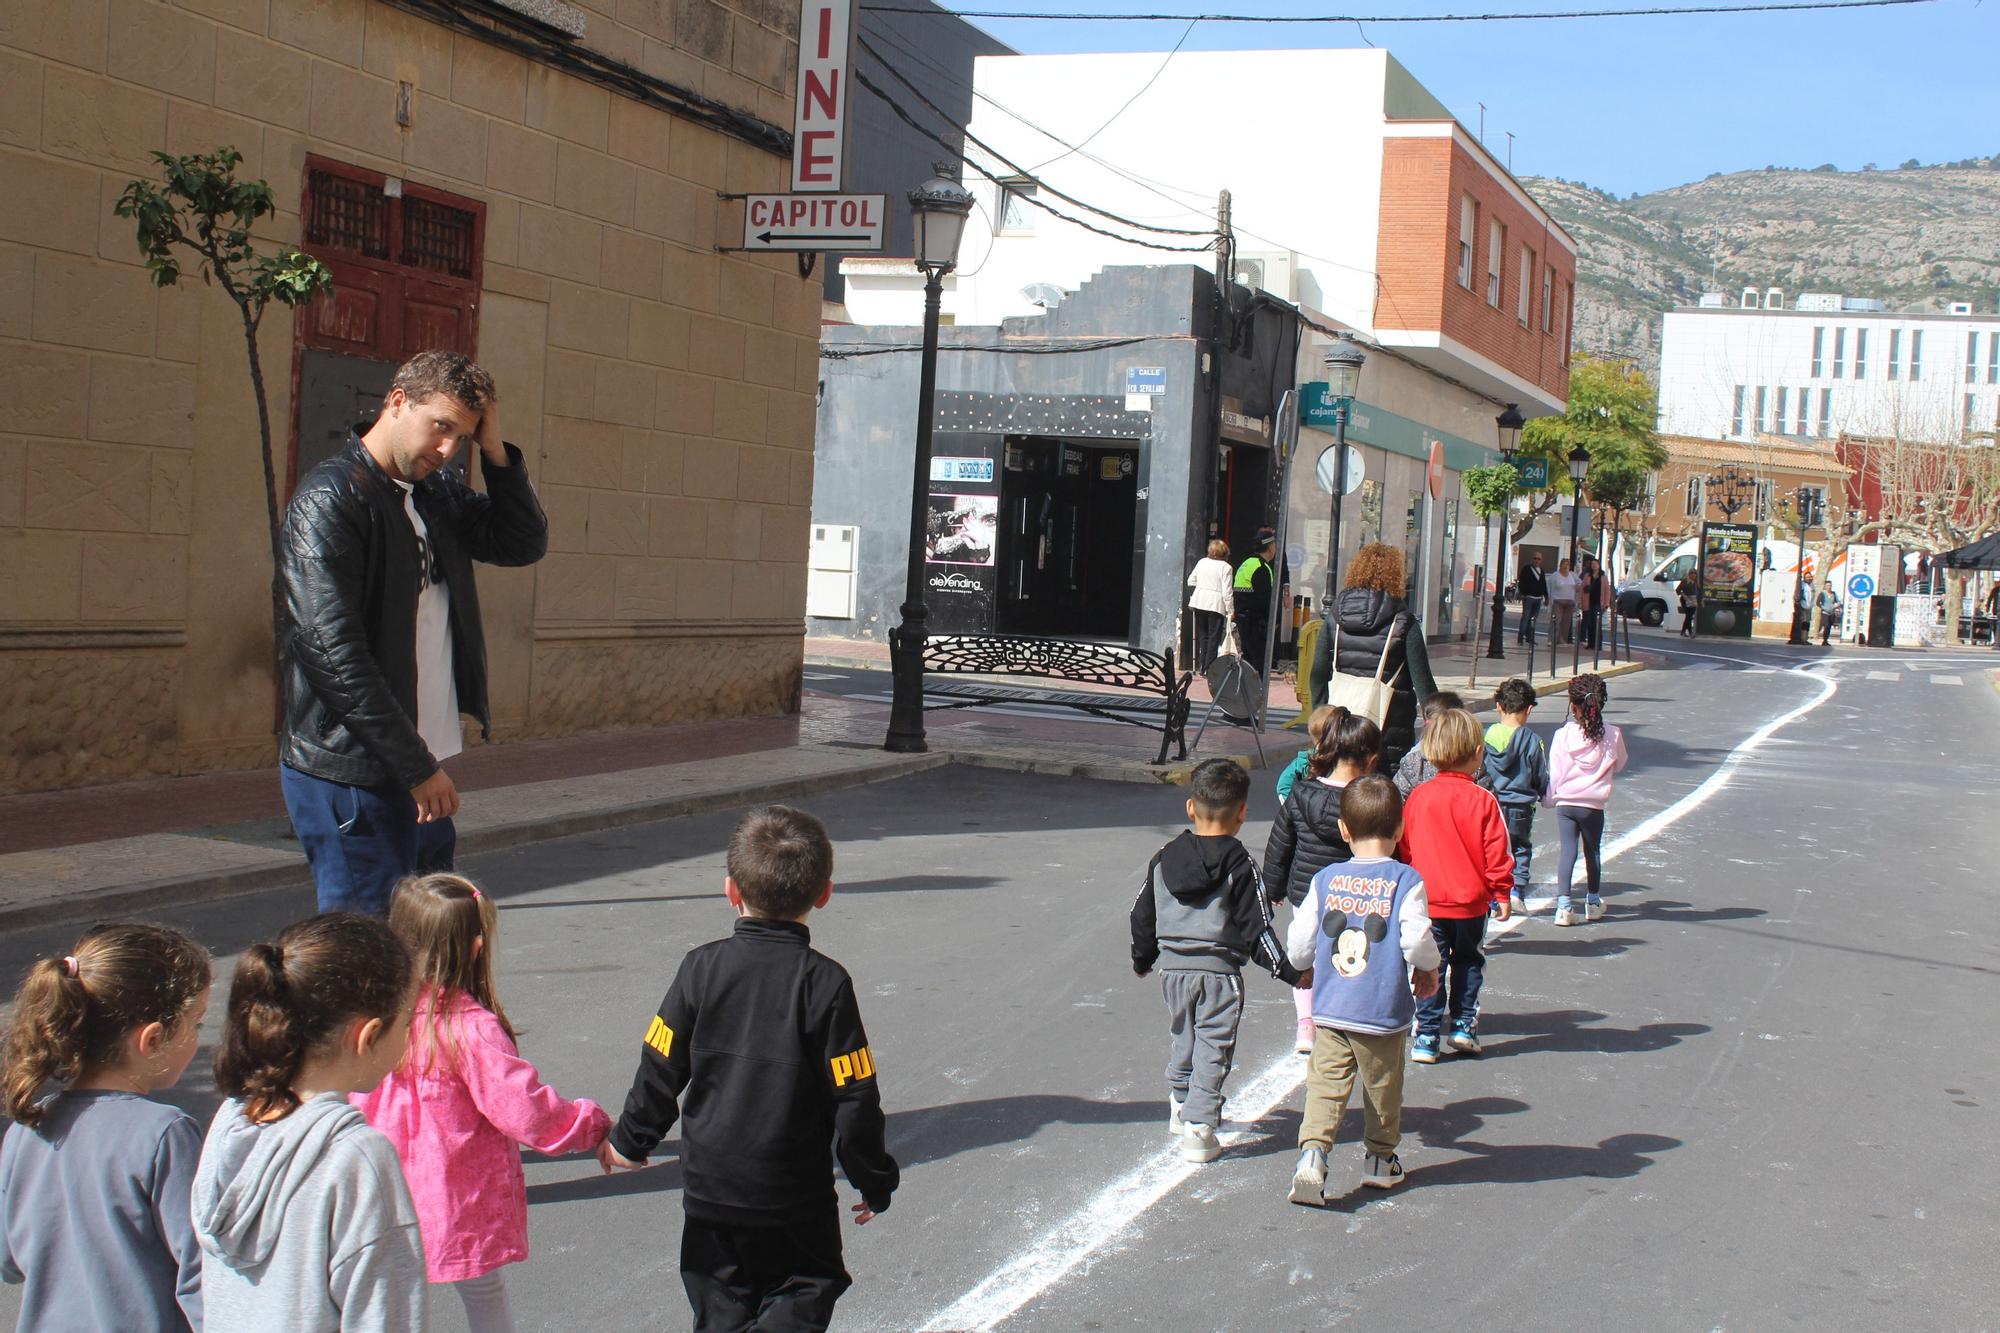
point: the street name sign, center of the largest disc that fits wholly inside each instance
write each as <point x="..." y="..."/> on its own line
<point x="846" y="222"/>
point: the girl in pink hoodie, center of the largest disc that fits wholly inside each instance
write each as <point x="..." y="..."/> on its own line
<point x="1586" y="754"/>
<point x="463" y="1098"/>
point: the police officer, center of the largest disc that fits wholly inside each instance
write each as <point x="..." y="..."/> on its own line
<point x="1256" y="587"/>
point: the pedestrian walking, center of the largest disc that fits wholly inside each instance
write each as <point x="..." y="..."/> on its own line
<point x="1379" y="638"/>
<point x="1455" y="837"/>
<point x="1534" y="586"/>
<point x="760" y="1040"/>
<point x="1202" y="908"/>
<point x="1305" y="837"/>
<point x="382" y="647"/>
<point x="1253" y="590"/>
<point x="1362" y="988"/>
<point x="95" y="1176"/>
<point x="1829" y="613"/>
<point x="1562" y="603"/>
<point x="1214" y="584"/>
<point x="1517" y="773"/>
<point x="1587" y="754"/>
<point x="303" y="1216"/>
<point x="463" y="1102"/>
<point x="1688" y="590"/>
<point x="1415" y="770"/>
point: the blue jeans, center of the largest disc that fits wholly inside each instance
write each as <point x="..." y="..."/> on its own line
<point x="1530" y="608"/>
<point x="1521" y="838"/>
<point x="362" y="841"/>
<point x="1463" y="968"/>
<point x="1582" y="828"/>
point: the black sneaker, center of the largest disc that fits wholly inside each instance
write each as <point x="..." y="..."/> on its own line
<point x="1382" y="1173"/>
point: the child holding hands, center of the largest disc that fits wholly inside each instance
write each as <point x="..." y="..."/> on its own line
<point x="463" y="1098"/>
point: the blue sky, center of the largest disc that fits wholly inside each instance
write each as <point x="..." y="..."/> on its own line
<point x="1633" y="104"/>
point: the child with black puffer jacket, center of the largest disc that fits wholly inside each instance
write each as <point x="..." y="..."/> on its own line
<point x="1305" y="837"/>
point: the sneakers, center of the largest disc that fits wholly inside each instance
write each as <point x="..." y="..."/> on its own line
<point x="1199" y="1144"/>
<point x="1304" y="1045"/>
<point x="1382" y="1173"/>
<point x="1424" y="1051"/>
<point x="1309" y="1178"/>
<point x="1566" y="916"/>
<point x="1594" y="911"/>
<point x="1463" y="1040"/>
<point x="1175" y="1125"/>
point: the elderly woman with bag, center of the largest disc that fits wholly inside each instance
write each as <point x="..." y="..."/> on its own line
<point x="1371" y="658"/>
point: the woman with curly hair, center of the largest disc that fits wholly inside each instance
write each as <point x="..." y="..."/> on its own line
<point x="1369" y="615"/>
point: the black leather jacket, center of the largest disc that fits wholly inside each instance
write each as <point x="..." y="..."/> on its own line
<point x="351" y="584"/>
<point x="1305" y="839"/>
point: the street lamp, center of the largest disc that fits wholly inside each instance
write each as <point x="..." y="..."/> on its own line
<point x="1579" y="468"/>
<point x="1510" y="423"/>
<point x="1736" y="487"/>
<point x="1343" y="363"/>
<point x="938" y="209"/>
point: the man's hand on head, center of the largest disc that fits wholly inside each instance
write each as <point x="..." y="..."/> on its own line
<point x="491" y="450"/>
<point x="436" y="798"/>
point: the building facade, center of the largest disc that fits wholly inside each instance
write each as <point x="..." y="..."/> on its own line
<point x="1827" y="366"/>
<point x="543" y="199"/>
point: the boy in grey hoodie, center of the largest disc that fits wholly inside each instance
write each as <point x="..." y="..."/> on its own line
<point x="1516" y="771"/>
<point x="1203" y="907"/>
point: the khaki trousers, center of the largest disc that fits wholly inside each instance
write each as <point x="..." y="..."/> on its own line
<point x="1338" y="1058"/>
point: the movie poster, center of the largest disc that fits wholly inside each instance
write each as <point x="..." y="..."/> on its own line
<point x="963" y="529"/>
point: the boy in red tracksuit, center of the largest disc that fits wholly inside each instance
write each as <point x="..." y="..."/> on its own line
<point x="1456" y="837"/>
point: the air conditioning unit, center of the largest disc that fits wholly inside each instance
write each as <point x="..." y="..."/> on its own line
<point x="1273" y="271"/>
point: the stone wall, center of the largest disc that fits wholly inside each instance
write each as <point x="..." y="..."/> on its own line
<point x="663" y="391"/>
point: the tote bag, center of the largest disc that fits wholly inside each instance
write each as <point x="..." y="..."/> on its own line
<point x="1363" y="696"/>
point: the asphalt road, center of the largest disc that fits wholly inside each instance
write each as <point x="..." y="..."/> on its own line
<point x="1759" y="1094"/>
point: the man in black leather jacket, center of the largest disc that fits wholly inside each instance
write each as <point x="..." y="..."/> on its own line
<point x="383" y="648"/>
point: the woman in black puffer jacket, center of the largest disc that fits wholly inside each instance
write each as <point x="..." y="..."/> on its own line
<point x="1370" y="615"/>
<point x="1305" y="837"/>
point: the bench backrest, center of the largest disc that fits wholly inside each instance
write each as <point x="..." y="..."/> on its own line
<point x="1051" y="659"/>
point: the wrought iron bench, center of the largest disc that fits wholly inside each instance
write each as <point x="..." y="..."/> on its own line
<point x="1162" y="708"/>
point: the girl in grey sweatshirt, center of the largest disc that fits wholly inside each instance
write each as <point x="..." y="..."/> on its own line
<point x="304" y="1220"/>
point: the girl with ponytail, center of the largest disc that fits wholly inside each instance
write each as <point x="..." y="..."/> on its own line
<point x="1586" y="754"/>
<point x="1305" y="837"/>
<point x="304" y="1220"/>
<point x="94" y="1178"/>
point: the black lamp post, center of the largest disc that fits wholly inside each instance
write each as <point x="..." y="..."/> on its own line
<point x="1343" y="378"/>
<point x="938" y="209"/>
<point x="1800" y="614"/>
<point x="1579" y="468"/>
<point x="1510" y="423"/>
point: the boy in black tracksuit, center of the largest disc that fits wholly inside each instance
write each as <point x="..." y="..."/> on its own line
<point x="763" y="1036"/>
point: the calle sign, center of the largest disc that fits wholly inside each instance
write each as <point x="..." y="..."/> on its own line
<point x="814" y="221"/>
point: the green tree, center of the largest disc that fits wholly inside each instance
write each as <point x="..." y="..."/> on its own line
<point x="1612" y="411"/>
<point x="200" y="208"/>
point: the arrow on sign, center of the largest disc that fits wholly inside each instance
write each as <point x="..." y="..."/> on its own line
<point x="830" y="241"/>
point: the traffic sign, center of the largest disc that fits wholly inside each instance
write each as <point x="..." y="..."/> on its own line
<point x="1434" y="475"/>
<point x="845" y="222"/>
<point x="1861" y="587"/>
<point x="1328" y="461"/>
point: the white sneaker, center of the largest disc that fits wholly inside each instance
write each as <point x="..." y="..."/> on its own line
<point x="1199" y="1144"/>
<point x="1309" y="1179"/>
<point x="1175" y="1125"/>
<point x="1382" y="1173"/>
<point x="1594" y="912"/>
<point x="1565" y="916"/>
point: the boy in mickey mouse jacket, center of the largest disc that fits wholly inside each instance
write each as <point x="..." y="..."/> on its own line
<point x="1362" y="988"/>
<point x="762" y="1035"/>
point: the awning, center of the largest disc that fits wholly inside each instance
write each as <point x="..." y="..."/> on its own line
<point x="1982" y="554"/>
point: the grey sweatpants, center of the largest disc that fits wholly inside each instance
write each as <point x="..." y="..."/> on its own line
<point x="1204" y="1008"/>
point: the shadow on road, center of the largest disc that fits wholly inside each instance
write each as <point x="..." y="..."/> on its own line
<point x="1572" y="946"/>
<point x="1512" y="1034"/>
<point x="1677" y="913"/>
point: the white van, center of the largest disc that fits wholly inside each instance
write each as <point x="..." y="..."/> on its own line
<point x="1650" y="597"/>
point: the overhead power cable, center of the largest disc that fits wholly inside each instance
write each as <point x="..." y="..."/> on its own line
<point x="1655" y="12"/>
<point x="1022" y="172"/>
<point x="1127" y="105"/>
<point x="903" y="115"/>
<point x="850" y="351"/>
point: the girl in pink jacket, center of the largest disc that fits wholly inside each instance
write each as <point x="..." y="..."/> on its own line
<point x="463" y="1098"/>
<point x="1587" y="753"/>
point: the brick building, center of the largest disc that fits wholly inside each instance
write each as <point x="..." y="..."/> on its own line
<point x="544" y="200"/>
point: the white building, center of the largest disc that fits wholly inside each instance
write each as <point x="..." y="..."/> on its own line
<point x="1829" y="365"/>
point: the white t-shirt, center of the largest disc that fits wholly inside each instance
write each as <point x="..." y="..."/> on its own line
<point x="1562" y="587"/>
<point x="437" y="687"/>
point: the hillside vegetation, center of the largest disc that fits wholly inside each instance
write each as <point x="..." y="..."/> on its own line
<point x="1917" y="237"/>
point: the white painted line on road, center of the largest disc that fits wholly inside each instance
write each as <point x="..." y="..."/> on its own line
<point x="1059" y="1251"/>
<point x="1947" y="680"/>
<point x="1090" y="1228"/>
<point x="1884" y="675"/>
